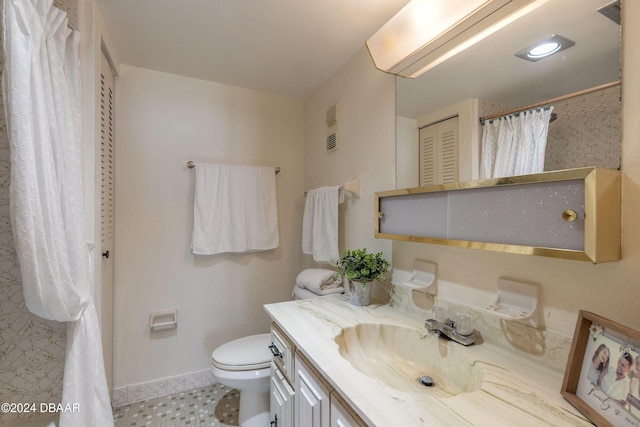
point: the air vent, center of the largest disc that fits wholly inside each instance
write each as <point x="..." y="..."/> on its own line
<point x="332" y="128"/>
<point x="612" y="11"/>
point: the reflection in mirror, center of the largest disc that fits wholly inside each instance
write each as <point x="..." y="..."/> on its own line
<point x="488" y="79"/>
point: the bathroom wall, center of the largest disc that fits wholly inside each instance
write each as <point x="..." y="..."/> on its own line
<point x="163" y="120"/>
<point x="611" y="289"/>
<point x="366" y="145"/>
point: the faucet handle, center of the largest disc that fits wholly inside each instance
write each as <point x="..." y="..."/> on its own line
<point x="439" y="314"/>
<point x="463" y="324"/>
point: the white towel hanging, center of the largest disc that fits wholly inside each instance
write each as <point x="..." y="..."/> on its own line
<point x="320" y="224"/>
<point x="235" y="209"/>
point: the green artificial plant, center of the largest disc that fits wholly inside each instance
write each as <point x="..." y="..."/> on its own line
<point x="363" y="266"/>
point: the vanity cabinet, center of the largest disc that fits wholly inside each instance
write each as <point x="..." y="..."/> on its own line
<point x="299" y="395"/>
<point x="572" y="214"/>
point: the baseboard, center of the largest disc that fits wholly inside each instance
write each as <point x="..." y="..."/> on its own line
<point x="144" y="391"/>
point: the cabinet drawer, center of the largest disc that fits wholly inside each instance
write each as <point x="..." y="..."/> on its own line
<point x="283" y="351"/>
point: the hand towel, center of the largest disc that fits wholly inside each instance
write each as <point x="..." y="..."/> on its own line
<point x="320" y="224"/>
<point x="234" y="209"/>
<point x="318" y="279"/>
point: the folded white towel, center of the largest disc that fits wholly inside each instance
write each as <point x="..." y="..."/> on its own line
<point x="234" y="209"/>
<point x="318" y="279"/>
<point x="320" y="224"/>
<point x="302" y="293"/>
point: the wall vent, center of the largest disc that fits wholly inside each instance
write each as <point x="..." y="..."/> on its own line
<point x="332" y="128"/>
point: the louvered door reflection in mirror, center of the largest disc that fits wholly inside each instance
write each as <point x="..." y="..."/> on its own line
<point x="439" y="152"/>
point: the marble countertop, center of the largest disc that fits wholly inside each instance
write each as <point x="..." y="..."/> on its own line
<point x="513" y="391"/>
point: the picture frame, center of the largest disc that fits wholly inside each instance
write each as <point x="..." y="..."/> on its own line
<point x="602" y="378"/>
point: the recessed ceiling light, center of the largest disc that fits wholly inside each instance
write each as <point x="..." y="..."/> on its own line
<point x="545" y="48"/>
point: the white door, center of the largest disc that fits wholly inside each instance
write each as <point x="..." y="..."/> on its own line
<point x="107" y="90"/>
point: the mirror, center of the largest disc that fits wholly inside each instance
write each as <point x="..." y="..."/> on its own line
<point x="587" y="129"/>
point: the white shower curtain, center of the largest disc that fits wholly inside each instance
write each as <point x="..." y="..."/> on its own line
<point x="41" y="89"/>
<point x="515" y="144"/>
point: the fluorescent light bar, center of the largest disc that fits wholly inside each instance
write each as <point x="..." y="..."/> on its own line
<point x="427" y="32"/>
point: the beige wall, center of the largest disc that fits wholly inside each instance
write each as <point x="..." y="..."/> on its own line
<point x="611" y="289"/>
<point x="162" y="121"/>
<point x="366" y="147"/>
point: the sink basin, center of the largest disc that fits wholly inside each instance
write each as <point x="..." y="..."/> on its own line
<point x="399" y="356"/>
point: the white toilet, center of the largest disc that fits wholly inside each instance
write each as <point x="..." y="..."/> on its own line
<point x="244" y="364"/>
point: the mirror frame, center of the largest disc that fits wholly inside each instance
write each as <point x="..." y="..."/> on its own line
<point x="602" y="226"/>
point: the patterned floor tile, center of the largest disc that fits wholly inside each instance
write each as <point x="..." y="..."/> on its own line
<point x="215" y="405"/>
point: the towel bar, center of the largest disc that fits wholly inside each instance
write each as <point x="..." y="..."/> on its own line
<point x="352" y="187"/>
<point x="191" y="164"/>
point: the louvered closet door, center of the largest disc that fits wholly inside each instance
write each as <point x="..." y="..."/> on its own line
<point x="439" y="152"/>
<point x="106" y="216"/>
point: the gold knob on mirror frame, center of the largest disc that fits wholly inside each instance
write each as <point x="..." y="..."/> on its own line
<point x="380" y="215"/>
<point x="569" y="215"/>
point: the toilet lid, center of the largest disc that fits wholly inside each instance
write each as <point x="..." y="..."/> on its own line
<point x="243" y="354"/>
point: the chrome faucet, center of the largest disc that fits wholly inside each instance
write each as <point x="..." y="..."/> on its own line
<point x="464" y="336"/>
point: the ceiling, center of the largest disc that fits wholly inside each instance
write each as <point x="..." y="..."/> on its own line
<point x="289" y="47"/>
<point x="292" y="47"/>
<point x="490" y="70"/>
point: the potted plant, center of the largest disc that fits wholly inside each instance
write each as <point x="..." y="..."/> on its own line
<point x="361" y="268"/>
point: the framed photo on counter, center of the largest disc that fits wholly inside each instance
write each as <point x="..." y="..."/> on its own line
<point x="602" y="379"/>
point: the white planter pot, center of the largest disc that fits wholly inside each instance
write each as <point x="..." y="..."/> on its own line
<point x="360" y="295"/>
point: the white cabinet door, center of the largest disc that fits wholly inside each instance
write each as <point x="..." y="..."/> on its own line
<point x="341" y="416"/>
<point x="282" y="398"/>
<point x="312" y="405"/>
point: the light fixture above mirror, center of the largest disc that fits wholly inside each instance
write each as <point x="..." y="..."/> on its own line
<point x="427" y="32"/>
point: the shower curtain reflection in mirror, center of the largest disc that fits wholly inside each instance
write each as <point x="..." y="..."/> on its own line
<point x="515" y="144"/>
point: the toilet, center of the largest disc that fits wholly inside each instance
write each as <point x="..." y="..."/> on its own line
<point x="244" y="364"/>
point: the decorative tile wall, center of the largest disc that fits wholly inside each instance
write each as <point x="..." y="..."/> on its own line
<point x="587" y="132"/>
<point x="71" y="7"/>
<point x="32" y="349"/>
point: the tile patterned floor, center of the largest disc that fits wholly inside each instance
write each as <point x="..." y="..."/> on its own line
<point x="215" y="405"/>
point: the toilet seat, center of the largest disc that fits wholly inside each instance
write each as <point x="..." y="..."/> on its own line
<point x="243" y="354"/>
